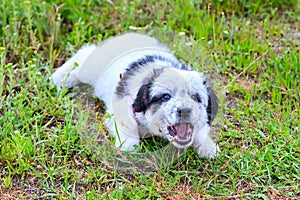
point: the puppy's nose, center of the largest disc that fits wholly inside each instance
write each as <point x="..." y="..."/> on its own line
<point x="184" y="113"/>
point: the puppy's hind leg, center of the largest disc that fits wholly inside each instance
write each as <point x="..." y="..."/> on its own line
<point x="67" y="74"/>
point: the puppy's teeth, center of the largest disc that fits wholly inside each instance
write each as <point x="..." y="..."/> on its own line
<point x="172" y="140"/>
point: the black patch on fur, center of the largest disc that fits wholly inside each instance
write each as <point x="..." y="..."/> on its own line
<point x="142" y="98"/>
<point x="139" y="65"/>
<point x="212" y="106"/>
<point x="183" y="66"/>
<point x="208" y="110"/>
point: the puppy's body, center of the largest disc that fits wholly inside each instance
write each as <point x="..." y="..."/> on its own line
<point x="148" y="91"/>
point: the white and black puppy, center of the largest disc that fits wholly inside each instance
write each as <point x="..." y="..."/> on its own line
<point x="148" y="91"/>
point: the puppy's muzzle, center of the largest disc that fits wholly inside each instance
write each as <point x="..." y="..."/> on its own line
<point x="184" y="114"/>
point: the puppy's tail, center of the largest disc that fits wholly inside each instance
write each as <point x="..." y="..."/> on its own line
<point x="67" y="74"/>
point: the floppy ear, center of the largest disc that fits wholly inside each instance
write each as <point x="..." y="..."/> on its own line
<point x="213" y="105"/>
<point x="142" y="99"/>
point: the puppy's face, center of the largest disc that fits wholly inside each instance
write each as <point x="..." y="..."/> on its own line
<point x="174" y="105"/>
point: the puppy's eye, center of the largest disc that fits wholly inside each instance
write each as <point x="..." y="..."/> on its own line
<point x="166" y="97"/>
<point x="196" y="98"/>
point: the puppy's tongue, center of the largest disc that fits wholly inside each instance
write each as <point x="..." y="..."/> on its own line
<point x="183" y="130"/>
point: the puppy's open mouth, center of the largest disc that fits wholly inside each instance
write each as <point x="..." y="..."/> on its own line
<point x="181" y="132"/>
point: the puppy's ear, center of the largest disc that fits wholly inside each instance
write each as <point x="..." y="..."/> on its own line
<point x="213" y="103"/>
<point x="142" y="99"/>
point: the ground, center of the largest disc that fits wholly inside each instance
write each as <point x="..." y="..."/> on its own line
<point x="250" y="51"/>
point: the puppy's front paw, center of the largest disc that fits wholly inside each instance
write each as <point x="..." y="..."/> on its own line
<point x="213" y="152"/>
<point x="127" y="143"/>
<point x="208" y="151"/>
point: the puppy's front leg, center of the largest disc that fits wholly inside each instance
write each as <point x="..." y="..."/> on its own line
<point x="126" y="132"/>
<point x="204" y="145"/>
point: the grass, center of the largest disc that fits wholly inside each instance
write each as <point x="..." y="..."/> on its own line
<point x="253" y="58"/>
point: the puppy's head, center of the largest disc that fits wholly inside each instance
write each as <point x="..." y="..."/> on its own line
<point x="176" y="105"/>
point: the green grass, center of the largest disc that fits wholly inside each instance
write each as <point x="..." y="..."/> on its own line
<point x="250" y="49"/>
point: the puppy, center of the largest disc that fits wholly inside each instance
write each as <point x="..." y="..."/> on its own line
<point x="147" y="91"/>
